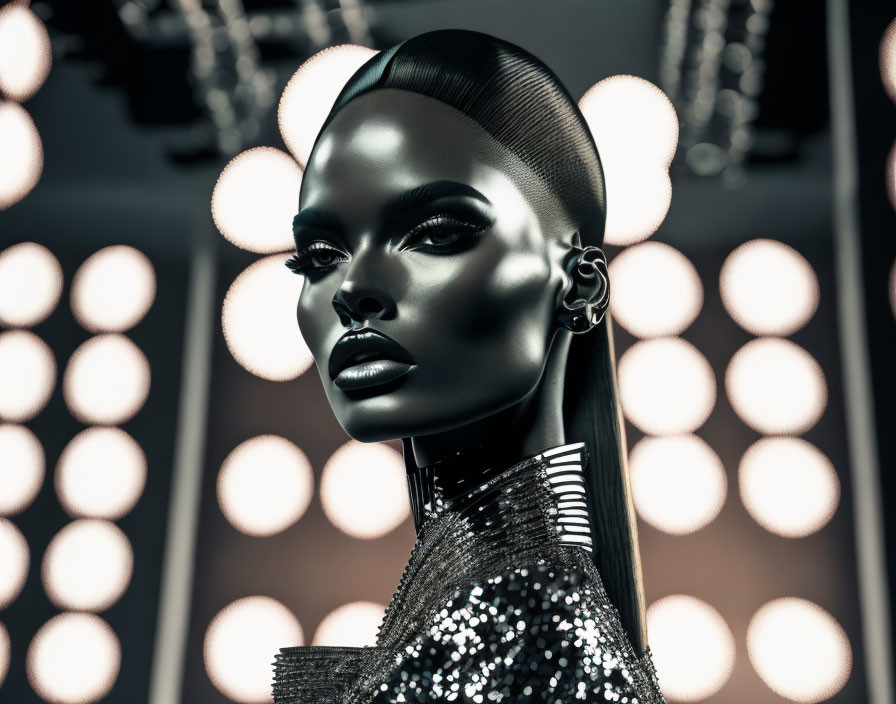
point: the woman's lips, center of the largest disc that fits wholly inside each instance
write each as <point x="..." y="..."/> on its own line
<point x="371" y="372"/>
<point x="365" y="358"/>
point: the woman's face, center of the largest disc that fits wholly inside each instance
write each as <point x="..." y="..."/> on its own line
<point x="415" y="224"/>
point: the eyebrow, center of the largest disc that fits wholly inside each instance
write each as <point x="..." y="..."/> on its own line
<point x="401" y="207"/>
<point x="315" y="218"/>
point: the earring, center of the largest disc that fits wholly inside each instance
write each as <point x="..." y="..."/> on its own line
<point x="586" y="270"/>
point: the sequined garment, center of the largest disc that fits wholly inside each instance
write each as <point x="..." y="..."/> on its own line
<point x="500" y="602"/>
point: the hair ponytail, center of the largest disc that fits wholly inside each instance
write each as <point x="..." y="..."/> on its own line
<point x="592" y="415"/>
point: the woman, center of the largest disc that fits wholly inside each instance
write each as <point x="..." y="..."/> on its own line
<point x="451" y="217"/>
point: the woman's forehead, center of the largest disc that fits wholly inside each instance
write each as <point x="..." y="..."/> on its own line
<point x="390" y="140"/>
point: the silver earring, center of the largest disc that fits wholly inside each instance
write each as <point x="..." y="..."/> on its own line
<point x="581" y="315"/>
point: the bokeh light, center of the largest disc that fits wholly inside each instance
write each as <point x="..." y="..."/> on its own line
<point x="351" y="625"/>
<point x="27" y="375"/>
<point x="789" y="486"/>
<point x="30" y="284"/>
<point x="666" y="386"/>
<point x="892" y="288"/>
<point x="265" y="485"/>
<point x="106" y="380"/>
<point x="678" y="482"/>
<point x="635" y="129"/>
<point x="259" y="321"/>
<point x="21" y="154"/>
<point x="25" y="57"/>
<point x="887" y="58"/>
<point x="15" y="558"/>
<point x="87" y="565"/>
<point x="640" y="196"/>
<point x="890" y="175"/>
<point x="799" y="650"/>
<point x="768" y="288"/>
<point x="22" y="468"/>
<point x="256" y="198"/>
<point x="5" y="653"/>
<point x="692" y="645"/>
<point x="776" y="387"/>
<point x="363" y="489"/>
<point x="631" y="118"/>
<point x="240" y="644"/>
<point x="113" y="289"/>
<point x="654" y="290"/>
<point x="100" y="474"/>
<point x="311" y="92"/>
<point x="73" y="659"/>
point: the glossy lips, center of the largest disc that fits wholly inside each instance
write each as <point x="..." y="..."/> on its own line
<point x="367" y="358"/>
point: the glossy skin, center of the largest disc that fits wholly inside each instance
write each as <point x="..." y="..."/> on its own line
<point x="469" y="287"/>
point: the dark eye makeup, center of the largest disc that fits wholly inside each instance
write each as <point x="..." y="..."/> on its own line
<point x="440" y="233"/>
<point x="315" y="257"/>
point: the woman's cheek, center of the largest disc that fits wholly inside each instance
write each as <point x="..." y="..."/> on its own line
<point x="311" y="316"/>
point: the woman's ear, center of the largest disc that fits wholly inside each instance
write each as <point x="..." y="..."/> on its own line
<point x="587" y="295"/>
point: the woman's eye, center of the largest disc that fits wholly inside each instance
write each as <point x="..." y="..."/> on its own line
<point x="443" y="234"/>
<point x="322" y="258"/>
<point x="316" y="257"/>
<point x="440" y="236"/>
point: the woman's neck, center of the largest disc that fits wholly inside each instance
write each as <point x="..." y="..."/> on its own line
<point x="465" y="457"/>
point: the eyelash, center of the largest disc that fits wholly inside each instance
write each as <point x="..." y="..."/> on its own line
<point x="302" y="263"/>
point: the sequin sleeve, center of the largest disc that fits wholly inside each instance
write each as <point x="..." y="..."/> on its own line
<point x="534" y="634"/>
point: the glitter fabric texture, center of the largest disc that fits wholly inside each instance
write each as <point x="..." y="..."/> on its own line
<point x="500" y="602"/>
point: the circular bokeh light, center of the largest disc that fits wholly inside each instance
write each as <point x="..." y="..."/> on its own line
<point x="240" y="644"/>
<point x="25" y="57"/>
<point x="635" y="129"/>
<point x="73" y="659"/>
<point x="631" y="118"/>
<point x="311" y="92"/>
<point x="259" y="320"/>
<point x="21" y="154"/>
<point x="113" y="289"/>
<point x="27" y="375"/>
<point x="789" y="486"/>
<point x="654" y="290"/>
<point x="101" y="474"/>
<point x="87" y="565"/>
<point x="666" y="386"/>
<point x="893" y="288"/>
<point x="692" y="645"/>
<point x="14" y="558"/>
<point x="256" y="198"/>
<point x="776" y="387"/>
<point x="5" y="653"/>
<point x="678" y="482"/>
<point x="799" y="650"/>
<point x="22" y="468"/>
<point x="887" y="58"/>
<point x="768" y="288"/>
<point x="352" y="625"/>
<point x="363" y="489"/>
<point x="106" y="380"/>
<point x="265" y="485"/>
<point x="890" y="175"/>
<point x="30" y="284"/>
<point x="641" y="196"/>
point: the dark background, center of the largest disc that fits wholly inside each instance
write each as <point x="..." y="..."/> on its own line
<point x="130" y="158"/>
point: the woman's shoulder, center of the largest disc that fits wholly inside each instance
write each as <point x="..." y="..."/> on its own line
<point x="538" y="631"/>
<point x="563" y="581"/>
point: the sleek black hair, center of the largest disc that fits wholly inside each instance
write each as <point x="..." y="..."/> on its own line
<point x="522" y="104"/>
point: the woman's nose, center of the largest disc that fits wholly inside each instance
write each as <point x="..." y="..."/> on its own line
<point x="358" y="300"/>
